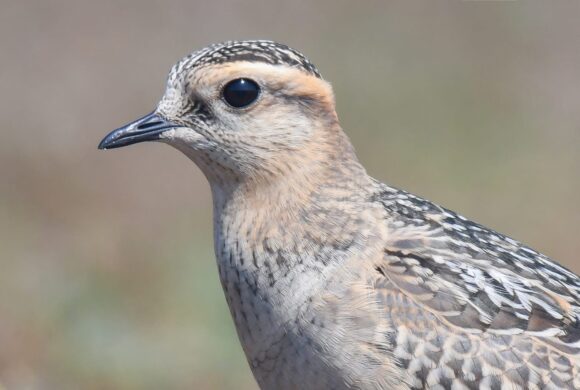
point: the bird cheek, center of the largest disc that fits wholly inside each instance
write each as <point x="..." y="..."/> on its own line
<point x="182" y="135"/>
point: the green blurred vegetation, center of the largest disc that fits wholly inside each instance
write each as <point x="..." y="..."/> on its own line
<point x="107" y="275"/>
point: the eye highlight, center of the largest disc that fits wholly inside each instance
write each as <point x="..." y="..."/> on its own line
<point x="241" y="93"/>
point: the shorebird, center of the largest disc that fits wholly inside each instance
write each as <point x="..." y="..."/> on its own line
<point x="333" y="279"/>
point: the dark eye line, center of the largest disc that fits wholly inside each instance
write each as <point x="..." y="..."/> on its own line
<point x="201" y="110"/>
<point x="306" y="101"/>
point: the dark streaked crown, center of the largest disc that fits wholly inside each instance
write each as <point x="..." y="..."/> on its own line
<point x="253" y="50"/>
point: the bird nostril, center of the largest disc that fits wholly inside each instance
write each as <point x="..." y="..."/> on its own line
<point x="147" y="125"/>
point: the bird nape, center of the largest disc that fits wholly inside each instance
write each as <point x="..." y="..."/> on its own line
<point x="335" y="280"/>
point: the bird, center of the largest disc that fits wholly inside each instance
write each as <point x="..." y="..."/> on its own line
<point x="335" y="280"/>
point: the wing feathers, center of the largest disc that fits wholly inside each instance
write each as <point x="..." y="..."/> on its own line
<point x="474" y="278"/>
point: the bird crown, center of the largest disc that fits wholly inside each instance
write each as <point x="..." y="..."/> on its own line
<point x="265" y="51"/>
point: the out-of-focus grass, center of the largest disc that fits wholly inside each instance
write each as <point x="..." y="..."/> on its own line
<point x="160" y="322"/>
<point x="107" y="276"/>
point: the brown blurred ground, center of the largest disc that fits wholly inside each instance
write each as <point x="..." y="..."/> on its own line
<point x="107" y="277"/>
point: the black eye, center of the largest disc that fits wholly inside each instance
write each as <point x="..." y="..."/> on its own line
<point x="240" y="93"/>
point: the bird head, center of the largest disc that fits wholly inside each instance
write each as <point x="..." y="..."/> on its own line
<point x="242" y="109"/>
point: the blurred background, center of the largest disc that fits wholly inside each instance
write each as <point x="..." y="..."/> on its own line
<point x="107" y="274"/>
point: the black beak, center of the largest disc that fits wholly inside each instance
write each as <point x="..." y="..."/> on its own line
<point x="147" y="128"/>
